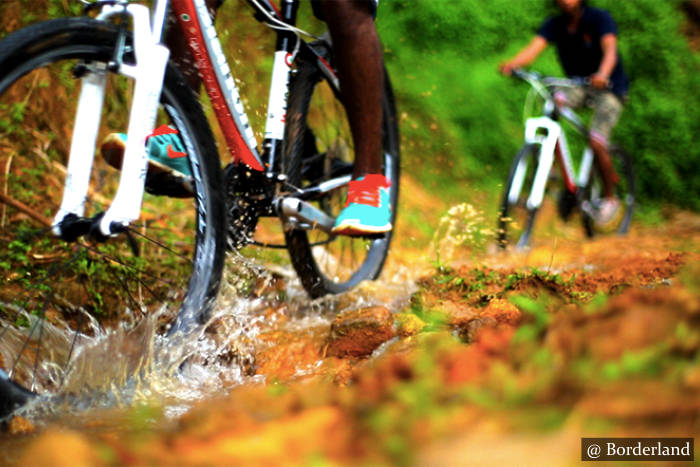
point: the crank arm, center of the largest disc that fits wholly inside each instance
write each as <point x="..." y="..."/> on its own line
<point x="321" y="189"/>
<point x="300" y="214"/>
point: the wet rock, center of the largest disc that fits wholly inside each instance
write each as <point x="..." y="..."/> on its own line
<point x="456" y="313"/>
<point x="284" y="360"/>
<point x="461" y="316"/>
<point x="498" y="313"/>
<point x="469" y="331"/>
<point x="287" y="354"/>
<point x="357" y="333"/>
<point x="20" y="426"/>
<point x="503" y="311"/>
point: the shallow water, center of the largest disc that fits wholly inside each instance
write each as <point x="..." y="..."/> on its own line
<point x="133" y="365"/>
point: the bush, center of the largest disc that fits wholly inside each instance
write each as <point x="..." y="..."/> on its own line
<point x="462" y="120"/>
<point x="443" y="57"/>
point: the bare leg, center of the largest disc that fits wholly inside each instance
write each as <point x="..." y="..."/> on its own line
<point x="361" y="74"/>
<point x="605" y="165"/>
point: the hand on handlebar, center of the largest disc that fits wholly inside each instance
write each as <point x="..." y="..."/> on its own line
<point x="599" y="81"/>
<point x="506" y="68"/>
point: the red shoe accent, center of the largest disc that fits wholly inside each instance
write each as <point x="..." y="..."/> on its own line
<point x="366" y="190"/>
<point x="175" y="154"/>
<point x="162" y="130"/>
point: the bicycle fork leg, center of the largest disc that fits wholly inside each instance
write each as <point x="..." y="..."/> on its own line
<point x="87" y="123"/>
<point x="151" y="61"/>
<point x="518" y="180"/>
<point x="546" y="159"/>
<point x="144" y="108"/>
<point x="149" y="72"/>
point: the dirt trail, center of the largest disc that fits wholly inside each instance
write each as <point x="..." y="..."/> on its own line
<point x="506" y="357"/>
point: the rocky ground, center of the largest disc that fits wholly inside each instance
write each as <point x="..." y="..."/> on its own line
<point x="489" y="358"/>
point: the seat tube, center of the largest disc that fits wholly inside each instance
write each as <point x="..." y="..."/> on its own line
<point x="279" y="86"/>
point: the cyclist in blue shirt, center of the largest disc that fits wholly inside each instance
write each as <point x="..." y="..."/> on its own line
<point x="586" y="41"/>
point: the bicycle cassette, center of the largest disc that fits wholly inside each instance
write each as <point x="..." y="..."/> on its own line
<point x="247" y="199"/>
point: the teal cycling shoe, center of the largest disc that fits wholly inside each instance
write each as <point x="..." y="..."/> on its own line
<point x="169" y="172"/>
<point x="368" y="208"/>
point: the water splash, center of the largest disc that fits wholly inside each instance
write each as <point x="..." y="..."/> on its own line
<point x="134" y="364"/>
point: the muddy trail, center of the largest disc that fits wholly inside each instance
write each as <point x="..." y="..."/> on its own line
<point x="483" y="358"/>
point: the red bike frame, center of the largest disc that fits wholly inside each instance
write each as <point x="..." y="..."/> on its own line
<point x="198" y="29"/>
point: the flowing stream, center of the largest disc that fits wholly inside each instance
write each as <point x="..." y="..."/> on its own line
<point x="133" y="364"/>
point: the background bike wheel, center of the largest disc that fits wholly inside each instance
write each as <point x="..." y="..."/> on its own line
<point x="319" y="146"/>
<point x="625" y="191"/>
<point x="516" y="220"/>
<point x="55" y="292"/>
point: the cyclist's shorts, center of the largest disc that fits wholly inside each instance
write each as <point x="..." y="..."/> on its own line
<point x="606" y="106"/>
<point x="316" y="6"/>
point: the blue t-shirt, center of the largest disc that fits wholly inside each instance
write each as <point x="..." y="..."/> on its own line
<point x="580" y="52"/>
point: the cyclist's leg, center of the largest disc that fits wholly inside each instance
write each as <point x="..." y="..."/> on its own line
<point x="361" y="73"/>
<point x="359" y="61"/>
<point x="606" y="113"/>
<point x="168" y="170"/>
<point x="570" y="96"/>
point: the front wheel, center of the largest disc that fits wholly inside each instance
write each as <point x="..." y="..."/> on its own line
<point x="56" y="293"/>
<point x="624" y="190"/>
<point x="319" y="147"/>
<point x="516" y="219"/>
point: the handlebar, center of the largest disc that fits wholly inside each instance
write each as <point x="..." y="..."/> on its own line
<point x="543" y="85"/>
<point x="549" y="81"/>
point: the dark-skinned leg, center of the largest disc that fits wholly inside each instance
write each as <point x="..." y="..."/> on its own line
<point x="359" y="60"/>
<point x="605" y="165"/>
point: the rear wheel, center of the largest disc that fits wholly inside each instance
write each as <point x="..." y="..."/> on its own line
<point x="624" y="190"/>
<point x="516" y="220"/>
<point x="55" y="291"/>
<point x="319" y="147"/>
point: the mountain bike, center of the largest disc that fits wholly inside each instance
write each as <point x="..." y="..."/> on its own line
<point x="108" y="248"/>
<point x="530" y="172"/>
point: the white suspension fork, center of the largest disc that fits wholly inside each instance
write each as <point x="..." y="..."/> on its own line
<point x="518" y="180"/>
<point x="148" y="73"/>
<point x="544" y="165"/>
<point x="82" y="150"/>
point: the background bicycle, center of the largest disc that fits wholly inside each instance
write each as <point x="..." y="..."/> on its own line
<point x="69" y="270"/>
<point x="530" y="173"/>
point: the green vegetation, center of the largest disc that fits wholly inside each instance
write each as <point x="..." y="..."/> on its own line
<point x="464" y="120"/>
